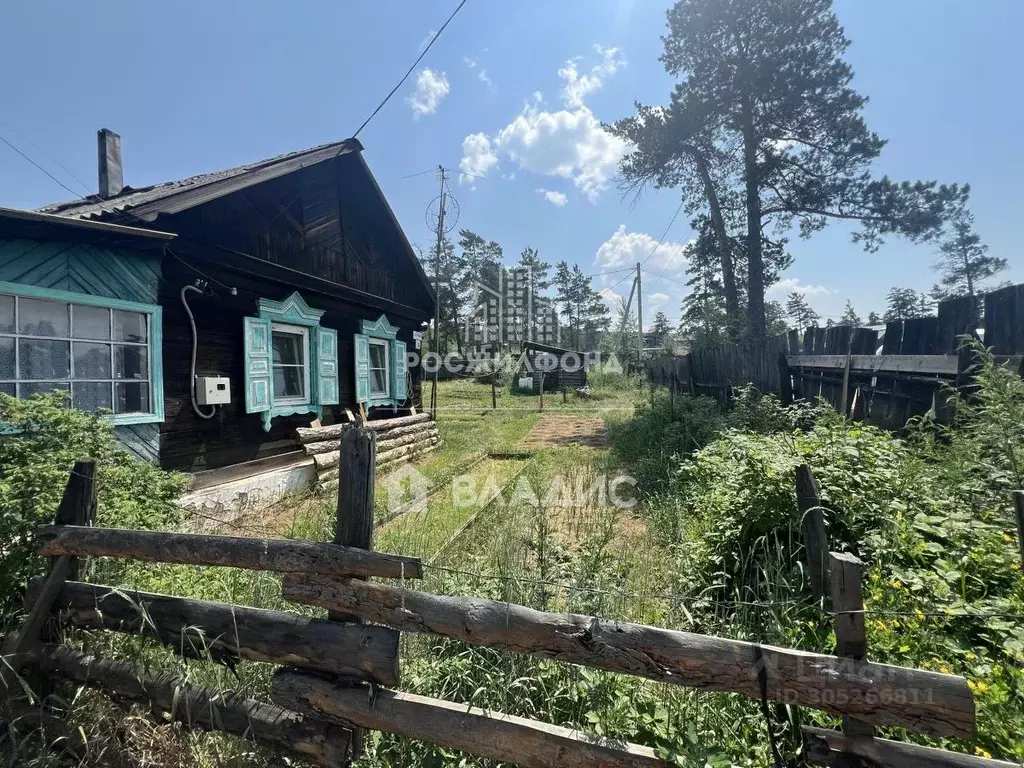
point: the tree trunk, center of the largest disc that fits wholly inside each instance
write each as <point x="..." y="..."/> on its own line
<point x="732" y="299"/>
<point x="755" y="265"/>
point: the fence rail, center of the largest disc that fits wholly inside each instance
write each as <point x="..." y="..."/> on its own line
<point x="326" y="689"/>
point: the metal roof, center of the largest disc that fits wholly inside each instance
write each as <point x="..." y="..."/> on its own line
<point x="147" y="203"/>
<point x="33" y="225"/>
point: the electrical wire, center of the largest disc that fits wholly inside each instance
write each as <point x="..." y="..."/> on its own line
<point x="410" y="70"/>
<point x="41" y="168"/>
<point x="57" y="162"/>
<point x="195" y="344"/>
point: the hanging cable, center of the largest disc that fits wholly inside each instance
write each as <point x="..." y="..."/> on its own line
<point x="195" y="345"/>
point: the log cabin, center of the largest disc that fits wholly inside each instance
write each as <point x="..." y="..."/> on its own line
<point x="283" y="293"/>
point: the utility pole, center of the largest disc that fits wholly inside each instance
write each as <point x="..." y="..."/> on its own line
<point x="437" y="296"/>
<point x="639" y="318"/>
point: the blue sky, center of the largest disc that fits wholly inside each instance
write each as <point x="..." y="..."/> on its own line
<point x="514" y="92"/>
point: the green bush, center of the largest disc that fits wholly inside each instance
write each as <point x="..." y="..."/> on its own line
<point x="497" y="369"/>
<point x="42" y="439"/>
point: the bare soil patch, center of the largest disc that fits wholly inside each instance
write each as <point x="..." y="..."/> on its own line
<point x="566" y="429"/>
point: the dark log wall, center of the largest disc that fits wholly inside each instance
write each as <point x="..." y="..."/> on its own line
<point x="327" y="221"/>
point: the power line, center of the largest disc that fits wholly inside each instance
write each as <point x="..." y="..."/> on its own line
<point x="410" y="70"/>
<point x="41" y="168"/>
<point x="57" y="162"/>
<point x="665" y="233"/>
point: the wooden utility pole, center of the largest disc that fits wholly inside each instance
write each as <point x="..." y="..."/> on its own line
<point x="437" y="296"/>
<point x="639" y="319"/>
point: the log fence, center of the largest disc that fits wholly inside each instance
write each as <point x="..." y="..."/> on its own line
<point x="328" y="684"/>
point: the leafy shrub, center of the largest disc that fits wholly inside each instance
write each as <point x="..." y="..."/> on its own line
<point x="42" y="439"/>
<point x="498" y="369"/>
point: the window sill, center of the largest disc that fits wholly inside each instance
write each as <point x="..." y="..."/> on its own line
<point x="134" y="418"/>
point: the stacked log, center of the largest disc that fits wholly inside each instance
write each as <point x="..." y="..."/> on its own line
<point x="398" y="440"/>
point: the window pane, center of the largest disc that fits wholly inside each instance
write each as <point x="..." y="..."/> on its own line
<point x="92" y="395"/>
<point x="378" y="356"/>
<point x="41" y="387"/>
<point x="131" y="363"/>
<point x="8" y="389"/>
<point x="130" y="326"/>
<point x="7" y="358"/>
<point x="288" y="382"/>
<point x="40" y="359"/>
<point x="6" y="314"/>
<point x="131" y="397"/>
<point x="287" y="349"/>
<point x="90" y="322"/>
<point x="42" y="318"/>
<point x="92" y="361"/>
<point x="378" y="382"/>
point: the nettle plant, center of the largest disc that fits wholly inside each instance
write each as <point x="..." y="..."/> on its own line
<point x="40" y="442"/>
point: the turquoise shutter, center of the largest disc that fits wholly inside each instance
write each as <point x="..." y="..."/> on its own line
<point x="258" y="392"/>
<point x="362" y="348"/>
<point x="327" y="366"/>
<point x="399" y="367"/>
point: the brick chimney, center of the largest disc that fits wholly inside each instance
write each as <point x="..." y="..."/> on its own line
<point x="111" y="177"/>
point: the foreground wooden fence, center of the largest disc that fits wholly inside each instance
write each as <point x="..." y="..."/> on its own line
<point x="883" y="378"/>
<point x="331" y="670"/>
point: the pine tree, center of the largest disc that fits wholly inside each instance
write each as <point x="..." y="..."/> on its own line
<point x="799" y="311"/>
<point x="850" y="316"/>
<point x="874" y="318"/>
<point x="661" y="327"/>
<point x="964" y="260"/>
<point x="530" y="257"/>
<point x="901" y="304"/>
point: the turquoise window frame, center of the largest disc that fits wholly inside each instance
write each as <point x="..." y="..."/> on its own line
<point x="382" y="330"/>
<point x="156" y="346"/>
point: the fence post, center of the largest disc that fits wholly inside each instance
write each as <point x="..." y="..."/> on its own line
<point x="494" y="390"/>
<point x="354" y="521"/>
<point x="1018" y="506"/>
<point x="786" y="382"/>
<point x="846" y="572"/>
<point x="808" y="502"/>
<point x="542" y="390"/>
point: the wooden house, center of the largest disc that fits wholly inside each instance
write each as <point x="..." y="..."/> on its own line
<point x="289" y="294"/>
<point x="557" y="368"/>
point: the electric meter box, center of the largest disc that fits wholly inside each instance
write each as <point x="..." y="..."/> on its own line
<point x="213" y="390"/>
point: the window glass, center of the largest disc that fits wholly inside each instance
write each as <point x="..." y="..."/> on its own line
<point x="378" y="369"/>
<point x="92" y="361"/>
<point x="288" y="359"/>
<point x="42" y="318"/>
<point x="130" y="363"/>
<point x="7" y="358"/>
<point x="130" y="326"/>
<point x="43" y="359"/>
<point x="91" y="396"/>
<point x="90" y="322"/>
<point x="26" y="389"/>
<point x="131" y="397"/>
<point x="9" y="389"/>
<point x="6" y="314"/>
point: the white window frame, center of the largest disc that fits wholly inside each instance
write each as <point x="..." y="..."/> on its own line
<point x="385" y="344"/>
<point x="293" y="330"/>
<point x="153" y="345"/>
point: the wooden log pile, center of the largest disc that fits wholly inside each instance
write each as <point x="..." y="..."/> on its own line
<point x="398" y="440"/>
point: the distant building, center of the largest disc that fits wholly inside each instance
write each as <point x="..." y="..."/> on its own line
<point x="508" y="311"/>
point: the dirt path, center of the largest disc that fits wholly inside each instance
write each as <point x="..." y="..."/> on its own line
<point x="566" y="429"/>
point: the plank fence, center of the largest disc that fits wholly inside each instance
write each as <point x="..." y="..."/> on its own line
<point x="337" y="673"/>
<point x="882" y="377"/>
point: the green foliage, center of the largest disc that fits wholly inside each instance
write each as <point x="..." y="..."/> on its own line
<point x="494" y="369"/>
<point x="42" y="440"/>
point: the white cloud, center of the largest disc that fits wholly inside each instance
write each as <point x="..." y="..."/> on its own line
<point x="431" y="88"/>
<point x="569" y="143"/>
<point x="478" y="156"/>
<point x="557" y="199"/>
<point x="624" y="249"/>
<point x="578" y="86"/>
<point x="658" y="298"/>
<point x="790" y="284"/>
<point x="481" y="75"/>
<point x="470" y="61"/>
<point x="426" y="41"/>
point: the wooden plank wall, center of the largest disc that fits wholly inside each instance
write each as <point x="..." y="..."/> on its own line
<point x="886" y="401"/>
<point x="117" y="273"/>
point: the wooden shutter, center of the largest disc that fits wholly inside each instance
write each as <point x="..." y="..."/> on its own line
<point x="327" y="366"/>
<point x="258" y="386"/>
<point x="399" y="368"/>
<point x="362" y="350"/>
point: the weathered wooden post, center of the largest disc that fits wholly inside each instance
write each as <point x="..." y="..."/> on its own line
<point x="542" y="390"/>
<point x="785" y="381"/>
<point x="77" y="507"/>
<point x="808" y="502"/>
<point x="846" y="574"/>
<point x="1018" y="506"/>
<point x="494" y="390"/>
<point x="354" y="522"/>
